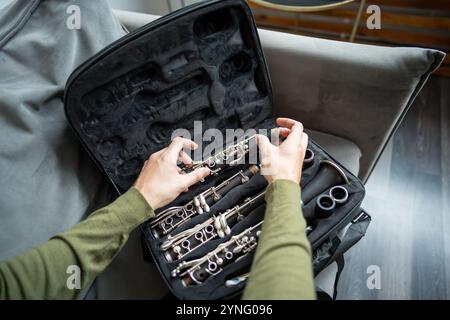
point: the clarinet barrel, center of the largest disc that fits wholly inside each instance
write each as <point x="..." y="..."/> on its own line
<point x="329" y="175"/>
<point x="325" y="206"/>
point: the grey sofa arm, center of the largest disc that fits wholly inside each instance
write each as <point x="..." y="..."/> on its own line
<point x="356" y="92"/>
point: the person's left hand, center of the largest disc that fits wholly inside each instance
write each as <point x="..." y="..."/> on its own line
<point x="161" y="180"/>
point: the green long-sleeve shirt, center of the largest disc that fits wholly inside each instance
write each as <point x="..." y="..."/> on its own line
<point x="282" y="265"/>
<point x="281" y="269"/>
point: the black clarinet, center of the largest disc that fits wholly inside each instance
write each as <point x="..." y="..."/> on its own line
<point x="171" y="218"/>
<point x="185" y="242"/>
<point x="231" y="156"/>
<point x="197" y="271"/>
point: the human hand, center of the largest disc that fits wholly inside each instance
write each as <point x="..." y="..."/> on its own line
<point x="161" y="180"/>
<point x="286" y="160"/>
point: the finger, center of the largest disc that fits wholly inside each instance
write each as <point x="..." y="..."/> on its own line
<point x="195" y="176"/>
<point x="295" y="136"/>
<point x="305" y="139"/>
<point x="286" y="122"/>
<point x="284" y="132"/>
<point x="304" y="143"/>
<point x="184" y="158"/>
<point x="264" y="146"/>
<point x="275" y="136"/>
<point x="178" y="143"/>
<point x="278" y="132"/>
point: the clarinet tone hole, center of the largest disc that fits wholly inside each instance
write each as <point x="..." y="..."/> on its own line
<point x="201" y="275"/>
<point x="209" y="229"/>
<point x="211" y="163"/>
<point x="199" y="236"/>
<point x="212" y="266"/>
<point x="186" y="244"/>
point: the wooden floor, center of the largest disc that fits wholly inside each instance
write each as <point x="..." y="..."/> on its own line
<point x="408" y="196"/>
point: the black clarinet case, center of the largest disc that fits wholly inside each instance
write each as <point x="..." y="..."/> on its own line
<point x="201" y="63"/>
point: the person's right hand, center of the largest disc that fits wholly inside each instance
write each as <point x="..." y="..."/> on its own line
<point x="286" y="160"/>
<point x="161" y="180"/>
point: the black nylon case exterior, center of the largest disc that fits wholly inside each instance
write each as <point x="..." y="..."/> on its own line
<point x="201" y="63"/>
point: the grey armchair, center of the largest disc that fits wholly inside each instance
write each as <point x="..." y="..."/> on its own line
<point x="350" y="97"/>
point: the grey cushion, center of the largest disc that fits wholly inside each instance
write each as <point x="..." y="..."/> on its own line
<point x="357" y="92"/>
<point x="48" y="182"/>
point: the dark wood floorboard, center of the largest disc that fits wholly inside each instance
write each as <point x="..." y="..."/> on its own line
<point x="408" y="196"/>
<point x="445" y="165"/>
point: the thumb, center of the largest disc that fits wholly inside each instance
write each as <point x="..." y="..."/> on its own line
<point x="264" y="146"/>
<point x="195" y="176"/>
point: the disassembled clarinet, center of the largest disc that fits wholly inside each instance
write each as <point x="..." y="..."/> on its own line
<point x="197" y="271"/>
<point x="230" y="156"/>
<point x="183" y="243"/>
<point x="173" y="217"/>
<point x="176" y="246"/>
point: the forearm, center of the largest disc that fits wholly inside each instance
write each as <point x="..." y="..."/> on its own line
<point x="282" y="265"/>
<point x="41" y="273"/>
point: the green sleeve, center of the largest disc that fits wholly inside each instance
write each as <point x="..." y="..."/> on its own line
<point x="282" y="265"/>
<point x="42" y="272"/>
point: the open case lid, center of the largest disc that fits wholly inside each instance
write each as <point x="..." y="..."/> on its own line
<point x="201" y="63"/>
